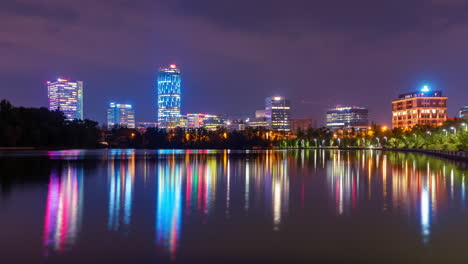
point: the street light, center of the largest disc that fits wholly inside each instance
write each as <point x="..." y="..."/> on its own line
<point x="445" y="130"/>
<point x="466" y="127"/>
<point x="454" y="130"/>
<point x="429" y="133"/>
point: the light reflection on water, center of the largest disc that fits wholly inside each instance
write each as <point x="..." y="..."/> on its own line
<point x="407" y="183"/>
<point x="62" y="221"/>
<point x="192" y="187"/>
<point x="121" y="173"/>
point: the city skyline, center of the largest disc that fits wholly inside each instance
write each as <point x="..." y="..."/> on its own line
<point x="169" y="92"/>
<point x="330" y="65"/>
<point x="340" y="60"/>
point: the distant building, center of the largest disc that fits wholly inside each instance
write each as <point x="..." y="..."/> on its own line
<point x="195" y="120"/>
<point x="120" y="115"/>
<point x="347" y="117"/>
<point x="143" y="126"/>
<point x="66" y="96"/>
<point x="238" y="125"/>
<point x="300" y="123"/>
<point x="213" y="122"/>
<point x="463" y="114"/>
<point x="277" y="112"/>
<point x="259" y="120"/>
<point x="183" y="123"/>
<point x="260" y="114"/>
<point x="424" y="107"/>
<point x="210" y="122"/>
<point x="169" y="93"/>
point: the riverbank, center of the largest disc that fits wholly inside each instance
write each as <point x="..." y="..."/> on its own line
<point x="447" y="154"/>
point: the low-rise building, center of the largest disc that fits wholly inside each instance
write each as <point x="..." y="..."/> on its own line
<point x="347" y="117"/>
<point x="424" y="107"/>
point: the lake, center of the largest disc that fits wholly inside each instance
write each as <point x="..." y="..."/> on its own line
<point x="206" y="206"/>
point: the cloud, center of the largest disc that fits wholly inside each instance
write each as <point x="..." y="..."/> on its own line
<point x="41" y="9"/>
<point x="359" y="16"/>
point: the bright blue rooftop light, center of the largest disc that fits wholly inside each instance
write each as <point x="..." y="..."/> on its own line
<point x="425" y="88"/>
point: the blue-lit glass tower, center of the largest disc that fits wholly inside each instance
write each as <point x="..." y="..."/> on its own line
<point x="120" y="115"/>
<point x="169" y="96"/>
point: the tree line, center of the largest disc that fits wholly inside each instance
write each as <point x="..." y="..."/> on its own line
<point x="198" y="138"/>
<point x="42" y="128"/>
<point x="452" y="135"/>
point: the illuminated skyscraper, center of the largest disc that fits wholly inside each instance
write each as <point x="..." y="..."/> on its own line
<point x="121" y="115"/>
<point x="66" y="96"/>
<point x="169" y="96"/>
<point x="347" y="117"/>
<point x="277" y="110"/>
<point x="424" y="107"/>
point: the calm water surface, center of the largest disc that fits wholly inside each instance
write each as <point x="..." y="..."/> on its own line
<point x="310" y="206"/>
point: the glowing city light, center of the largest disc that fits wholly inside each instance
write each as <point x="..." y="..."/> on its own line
<point x="63" y="210"/>
<point x="425" y="88"/>
<point x="120" y="115"/>
<point x="66" y="96"/>
<point x="169" y="94"/>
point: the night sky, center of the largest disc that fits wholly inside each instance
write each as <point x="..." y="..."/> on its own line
<point x="234" y="53"/>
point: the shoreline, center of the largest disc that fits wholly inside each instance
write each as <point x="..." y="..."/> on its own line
<point x="447" y="154"/>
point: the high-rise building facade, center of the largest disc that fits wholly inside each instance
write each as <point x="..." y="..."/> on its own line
<point x="66" y="96"/>
<point x="277" y="112"/>
<point x="463" y="114"/>
<point x="424" y="107"/>
<point x="120" y="115"/>
<point x="347" y="117"/>
<point x="169" y="93"/>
